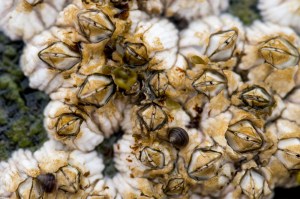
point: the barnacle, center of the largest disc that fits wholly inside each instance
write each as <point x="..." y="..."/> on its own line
<point x="287" y="12"/>
<point x="196" y="105"/>
<point x="22" y="19"/>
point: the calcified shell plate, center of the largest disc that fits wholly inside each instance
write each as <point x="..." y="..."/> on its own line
<point x="207" y="107"/>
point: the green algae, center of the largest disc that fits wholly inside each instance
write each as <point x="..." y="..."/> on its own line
<point x="246" y="10"/>
<point x="21" y="108"/>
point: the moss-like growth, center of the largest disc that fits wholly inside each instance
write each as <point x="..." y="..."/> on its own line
<point x="246" y="10"/>
<point x="21" y="108"/>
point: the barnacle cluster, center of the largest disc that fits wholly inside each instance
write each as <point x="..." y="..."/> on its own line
<point x="208" y="107"/>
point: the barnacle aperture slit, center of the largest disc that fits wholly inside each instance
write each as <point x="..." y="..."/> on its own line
<point x="257" y="97"/>
<point x="95" y="25"/>
<point x="280" y="53"/>
<point x="243" y="137"/>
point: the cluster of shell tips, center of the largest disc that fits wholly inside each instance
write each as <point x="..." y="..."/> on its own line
<point x="209" y="108"/>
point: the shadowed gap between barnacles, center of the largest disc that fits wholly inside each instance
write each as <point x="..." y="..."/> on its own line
<point x="107" y="151"/>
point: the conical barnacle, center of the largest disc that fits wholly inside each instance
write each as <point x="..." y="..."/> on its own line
<point x="243" y="137"/>
<point x="95" y="25"/>
<point x="150" y="42"/>
<point x="249" y="182"/>
<point x="174" y="187"/>
<point x="252" y="184"/>
<point x="257" y="99"/>
<point x="71" y="172"/>
<point x="59" y="56"/>
<point x="22" y="19"/>
<point x="96" y="90"/>
<point x="271" y="56"/>
<point x="134" y="54"/>
<point x="279" y="53"/>
<point x="284" y="13"/>
<point x="68" y="124"/>
<point x="143" y="158"/>
<point x="204" y="164"/>
<point x="210" y="83"/>
<point x="152" y="116"/>
<point x="218" y="39"/>
<point x="48" y="56"/>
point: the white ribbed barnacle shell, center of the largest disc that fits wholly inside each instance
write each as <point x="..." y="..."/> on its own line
<point x="271" y="56"/>
<point x="48" y="55"/>
<point x="281" y="12"/>
<point x="292" y="110"/>
<point x="195" y="8"/>
<point x="19" y="176"/>
<point x="22" y="19"/>
<point x="71" y="126"/>
<point x="89" y="165"/>
<point x="104" y="188"/>
<point x="153" y="45"/>
<point x="184" y="9"/>
<point x="129" y="187"/>
<point x="206" y="166"/>
<point x="141" y="158"/>
<point x="285" y="137"/>
<point x="249" y="183"/>
<point x="218" y="38"/>
<point x="51" y="156"/>
<point x="151" y="118"/>
<point x="75" y="172"/>
<point x="3" y="191"/>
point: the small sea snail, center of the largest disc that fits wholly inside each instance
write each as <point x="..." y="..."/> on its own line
<point x="47" y="181"/>
<point x="178" y="137"/>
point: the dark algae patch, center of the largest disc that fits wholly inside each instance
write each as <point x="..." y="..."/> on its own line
<point x="21" y="108"/>
<point x="246" y="10"/>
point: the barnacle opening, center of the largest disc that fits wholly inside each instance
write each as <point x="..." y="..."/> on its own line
<point x="279" y="53"/>
<point x="68" y="124"/>
<point x="222" y="45"/>
<point x="96" y="90"/>
<point x="158" y="83"/>
<point x="152" y="158"/>
<point x="68" y="179"/>
<point x="257" y="97"/>
<point x="134" y="55"/>
<point x="174" y="187"/>
<point x="243" y="137"/>
<point x="210" y="83"/>
<point x="204" y="164"/>
<point x="60" y="56"/>
<point x="152" y="116"/>
<point x="95" y="25"/>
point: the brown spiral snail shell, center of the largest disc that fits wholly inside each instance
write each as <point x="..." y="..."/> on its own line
<point x="47" y="181"/>
<point x="178" y="137"/>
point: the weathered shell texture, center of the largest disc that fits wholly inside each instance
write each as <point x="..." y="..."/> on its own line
<point x="207" y="108"/>
<point x="281" y="12"/>
<point x="22" y="19"/>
